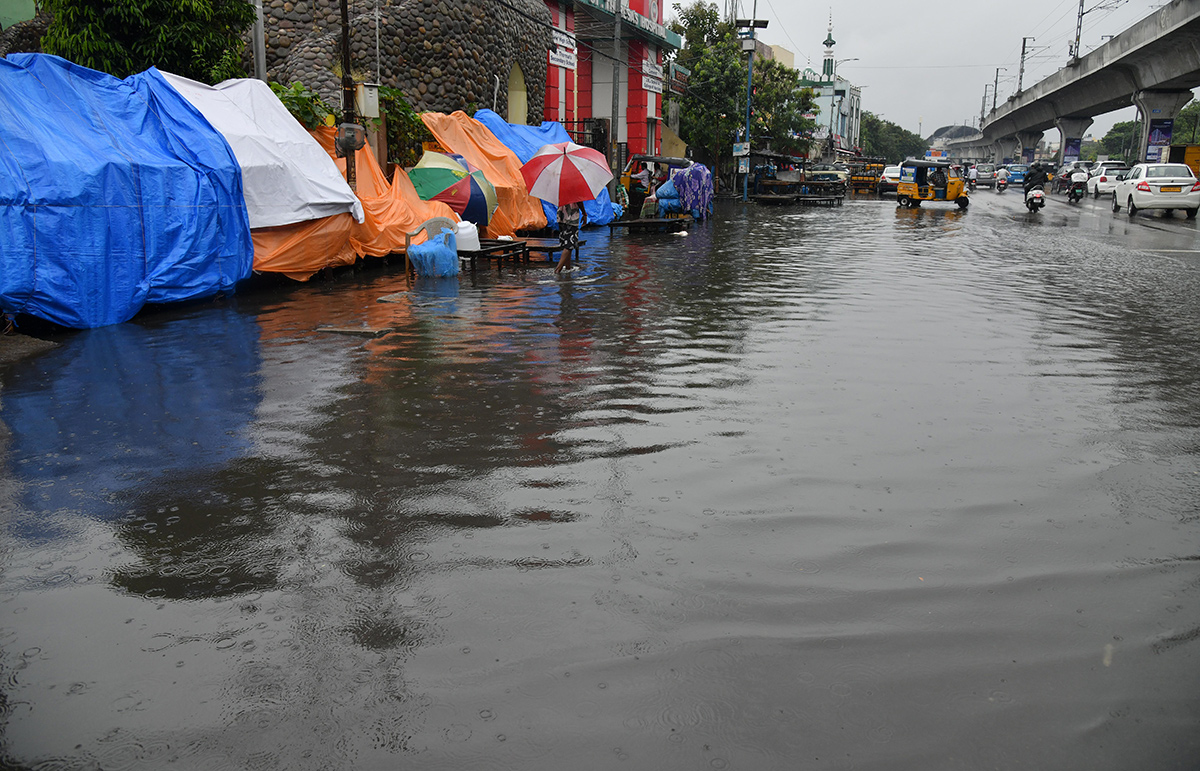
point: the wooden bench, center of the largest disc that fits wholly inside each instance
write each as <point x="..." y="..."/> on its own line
<point x="548" y="247"/>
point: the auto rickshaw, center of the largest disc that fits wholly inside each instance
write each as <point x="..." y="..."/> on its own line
<point x="922" y="180"/>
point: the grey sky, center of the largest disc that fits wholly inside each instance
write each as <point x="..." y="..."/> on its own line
<point x="925" y="64"/>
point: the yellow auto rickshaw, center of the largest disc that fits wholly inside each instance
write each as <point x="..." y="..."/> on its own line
<point x="922" y="180"/>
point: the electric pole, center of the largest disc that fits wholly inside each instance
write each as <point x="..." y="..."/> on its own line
<point x="1021" y="72"/>
<point x="996" y="85"/>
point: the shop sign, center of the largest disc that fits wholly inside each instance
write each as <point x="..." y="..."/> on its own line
<point x="565" y="59"/>
<point x="639" y="22"/>
<point x="652" y="76"/>
<point x="679" y="78"/>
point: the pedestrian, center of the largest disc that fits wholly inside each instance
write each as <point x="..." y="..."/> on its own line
<point x="568" y="234"/>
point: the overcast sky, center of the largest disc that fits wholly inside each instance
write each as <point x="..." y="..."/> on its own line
<point x="910" y="71"/>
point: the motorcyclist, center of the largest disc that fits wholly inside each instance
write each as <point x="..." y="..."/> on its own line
<point x="1079" y="177"/>
<point x="1035" y="177"/>
<point x="1002" y="175"/>
<point x="973" y="175"/>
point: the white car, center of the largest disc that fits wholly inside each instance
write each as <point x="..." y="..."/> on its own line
<point x="1104" y="181"/>
<point x="1167" y="186"/>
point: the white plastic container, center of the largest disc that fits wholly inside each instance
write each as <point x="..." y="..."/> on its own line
<point x="467" y="236"/>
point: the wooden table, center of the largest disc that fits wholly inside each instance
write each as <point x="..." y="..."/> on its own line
<point x="496" y="249"/>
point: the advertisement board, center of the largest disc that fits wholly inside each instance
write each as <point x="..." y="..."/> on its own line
<point x="1071" y="149"/>
<point x="1159" y="142"/>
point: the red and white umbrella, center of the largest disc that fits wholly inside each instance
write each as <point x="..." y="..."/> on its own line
<point x="566" y="173"/>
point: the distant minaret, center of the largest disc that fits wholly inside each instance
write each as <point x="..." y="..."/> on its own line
<point x="827" y="69"/>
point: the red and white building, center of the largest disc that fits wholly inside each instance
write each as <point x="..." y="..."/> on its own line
<point x="579" y="78"/>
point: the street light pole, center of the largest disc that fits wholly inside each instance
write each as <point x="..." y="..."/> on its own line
<point x="751" y="24"/>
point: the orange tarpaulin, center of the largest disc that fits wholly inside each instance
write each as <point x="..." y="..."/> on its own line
<point x="300" y="250"/>
<point x="472" y="140"/>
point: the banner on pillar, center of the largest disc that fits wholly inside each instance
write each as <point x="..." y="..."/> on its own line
<point x="1159" y="142"/>
<point x="1071" y="149"/>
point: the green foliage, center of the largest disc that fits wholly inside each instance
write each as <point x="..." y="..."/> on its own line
<point x="198" y="39"/>
<point x="405" y="129"/>
<point x="778" y="107"/>
<point x="884" y="139"/>
<point x="305" y="106"/>
<point x="710" y="113"/>
<point x="1122" y="139"/>
<point x="1185" y="131"/>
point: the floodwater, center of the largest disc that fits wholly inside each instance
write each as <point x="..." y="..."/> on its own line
<point x="861" y="488"/>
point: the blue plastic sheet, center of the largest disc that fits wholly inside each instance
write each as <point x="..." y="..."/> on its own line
<point x="114" y="194"/>
<point x="437" y="257"/>
<point x="524" y="141"/>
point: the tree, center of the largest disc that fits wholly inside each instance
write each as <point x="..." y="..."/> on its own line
<point x="884" y="139"/>
<point x="198" y="39"/>
<point x="779" y="106"/>
<point x="1184" y="132"/>
<point x="1122" y="139"/>
<point x="709" y="113"/>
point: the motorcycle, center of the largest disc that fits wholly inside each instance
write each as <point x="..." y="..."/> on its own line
<point x="971" y="183"/>
<point x="1076" y="192"/>
<point x="1035" y="199"/>
<point x="1001" y="185"/>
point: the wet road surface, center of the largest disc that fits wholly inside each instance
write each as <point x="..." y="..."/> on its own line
<point x="861" y="488"/>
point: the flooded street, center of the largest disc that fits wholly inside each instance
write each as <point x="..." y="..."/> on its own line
<point x="860" y="488"/>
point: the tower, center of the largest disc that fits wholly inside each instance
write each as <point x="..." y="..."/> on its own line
<point x="827" y="69"/>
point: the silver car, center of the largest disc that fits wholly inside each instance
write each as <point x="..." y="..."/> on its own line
<point x="986" y="174"/>
<point x="1167" y="186"/>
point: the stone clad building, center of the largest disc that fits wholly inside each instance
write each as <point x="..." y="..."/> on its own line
<point x="444" y="55"/>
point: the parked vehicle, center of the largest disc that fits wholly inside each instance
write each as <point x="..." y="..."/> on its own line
<point x="1166" y="186"/>
<point x="1104" y="181"/>
<point x="986" y="174"/>
<point x="922" y="180"/>
<point x="889" y="180"/>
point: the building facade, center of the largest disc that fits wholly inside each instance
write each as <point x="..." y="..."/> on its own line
<point x="580" y="72"/>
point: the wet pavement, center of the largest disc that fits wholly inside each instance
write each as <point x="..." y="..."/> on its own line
<point x="861" y="488"/>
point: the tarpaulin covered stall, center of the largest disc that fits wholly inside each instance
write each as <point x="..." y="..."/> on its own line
<point x="286" y="176"/>
<point x="113" y="194"/>
<point x="524" y="141"/>
<point x="472" y="140"/>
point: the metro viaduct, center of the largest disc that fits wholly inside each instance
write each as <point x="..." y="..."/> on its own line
<point x="1154" y="64"/>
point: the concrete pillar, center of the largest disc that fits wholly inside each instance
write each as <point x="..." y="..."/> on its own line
<point x="1028" y="141"/>
<point x="1006" y="148"/>
<point x="1158" y="106"/>
<point x="1070" y="131"/>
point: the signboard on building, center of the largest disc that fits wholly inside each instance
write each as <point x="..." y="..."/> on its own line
<point x="1159" y="144"/>
<point x="652" y="76"/>
<point x="643" y="24"/>
<point x="565" y="59"/>
<point x="740" y="149"/>
<point x="563" y="39"/>
<point x="679" y="78"/>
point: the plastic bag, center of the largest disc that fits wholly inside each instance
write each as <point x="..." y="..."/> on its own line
<point x="436" y="257"/>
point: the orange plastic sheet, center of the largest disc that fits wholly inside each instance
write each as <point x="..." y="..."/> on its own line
<point x="472" y="140"/>
<point x="301" y="249"/>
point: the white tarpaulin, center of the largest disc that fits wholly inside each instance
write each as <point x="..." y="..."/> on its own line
<point x="286" y="176"/>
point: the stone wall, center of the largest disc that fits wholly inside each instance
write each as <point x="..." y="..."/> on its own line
<point x="444" y="55"/>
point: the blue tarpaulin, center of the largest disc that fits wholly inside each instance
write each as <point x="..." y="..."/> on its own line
<point x="113" y="194"/>
<point x="524" y="141"/>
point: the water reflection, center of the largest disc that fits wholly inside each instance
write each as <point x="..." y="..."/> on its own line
<point x="687" y="506"/>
